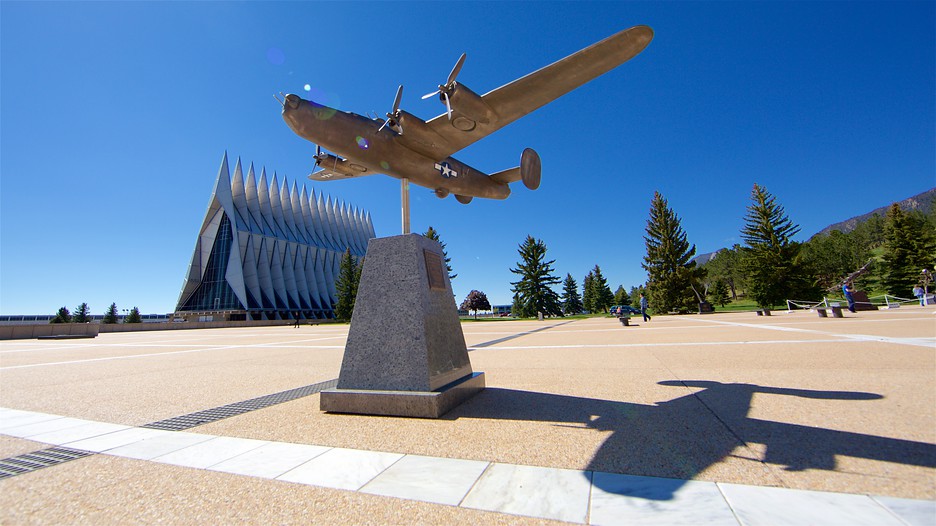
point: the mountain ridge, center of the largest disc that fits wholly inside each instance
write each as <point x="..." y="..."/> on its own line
<point x="924" y="201"/>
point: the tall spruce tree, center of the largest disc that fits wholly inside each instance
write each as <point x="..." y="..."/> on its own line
<point x="434" y="235"/>
<point x="62" y="316"/>
<point x="725" y="266"/>
<point x="346" y="287"/>
<point x="133" y="316"/>
<point x="621" y="297"/>
<point x="908" y="249"/>
<point x="82" y="314"/>
<point x="571" y="301"/>
<point x="603" y="298"/>
<point x="770" y="258"/>
<point x="532" y="293"/>
<point x="668" y="262"/>
<point x="110" y="316"/>
<point x="588" y="292"/>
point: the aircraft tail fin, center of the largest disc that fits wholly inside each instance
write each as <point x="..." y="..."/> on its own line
<point x="511" y="175"/>
<point x="529" y="171"/>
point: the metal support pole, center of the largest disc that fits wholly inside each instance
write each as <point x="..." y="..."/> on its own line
<point x="404" y="200"/>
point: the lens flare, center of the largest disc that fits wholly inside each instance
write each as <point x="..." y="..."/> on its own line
<point x="275" y="56"/>
<point x="385" y="165"/>
<point x="362" y="142"/>
<point x="307" y="87"/>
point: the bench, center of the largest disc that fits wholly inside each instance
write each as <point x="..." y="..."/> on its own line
<point x="824" y="311"/>
<point x="625" y="320"/>
<point x="763" y="312"/>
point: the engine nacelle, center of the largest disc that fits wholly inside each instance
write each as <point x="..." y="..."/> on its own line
<point x="441" y="193"/>
<point x="470" y="104"/>
<point x="333" y="163"/>
<point x="417" y="136"/>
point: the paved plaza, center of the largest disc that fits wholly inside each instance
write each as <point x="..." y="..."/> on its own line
<point x="715" y="419"/>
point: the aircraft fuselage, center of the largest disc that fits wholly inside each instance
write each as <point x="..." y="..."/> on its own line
<point x="368" y="150"/>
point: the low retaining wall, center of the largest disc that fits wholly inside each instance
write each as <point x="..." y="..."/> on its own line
<point x="176" y="326"/>
<point x="26" y="332"/>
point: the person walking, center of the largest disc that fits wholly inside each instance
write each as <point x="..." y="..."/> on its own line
<point x="918" y="292"/>
<point x="643" y="307"/>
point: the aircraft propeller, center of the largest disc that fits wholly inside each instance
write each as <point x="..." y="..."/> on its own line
<point x="318" y="155"/>
<point x="394" y="115"/>
<point x="446" y="89"/>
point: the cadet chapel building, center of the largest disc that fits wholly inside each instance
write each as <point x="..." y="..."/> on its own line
<point x="269" y="252"/>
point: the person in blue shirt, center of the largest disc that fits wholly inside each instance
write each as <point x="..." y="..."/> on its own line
<point x="643" y="307"/>
<point x="848" y="289"/>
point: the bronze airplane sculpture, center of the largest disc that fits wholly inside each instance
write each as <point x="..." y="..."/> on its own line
<point x="408" y="148"/>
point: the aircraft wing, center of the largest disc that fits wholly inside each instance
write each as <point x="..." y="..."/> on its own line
<point x="331" y="175"/>
<point x="522" y="96"/>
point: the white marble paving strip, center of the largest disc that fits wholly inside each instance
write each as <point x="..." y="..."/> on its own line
<point x="342" y="468"/>
<point x="210" y="452"/>
<point x="913" y="512"/>
<point x="271" y="460"/>
<point x="13" y="418"/>
<point x="72" y="434"/>
<point x="628" y="499"/>
<point x="159" y="445"/>
<point x="567" y="495"/>
<point x="427" y="479"/>
<point x="548" y="493"/>
<point x="103" y="443"/>
<point x="757" y="505"/>
<point x="44" y="426"/>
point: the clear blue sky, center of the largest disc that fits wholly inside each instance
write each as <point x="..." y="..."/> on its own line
<point x="114" y="117"/>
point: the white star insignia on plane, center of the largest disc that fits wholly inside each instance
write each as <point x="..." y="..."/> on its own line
<point x="446" y="170"/>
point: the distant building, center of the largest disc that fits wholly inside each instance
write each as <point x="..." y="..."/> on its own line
<point x="266" y="251"/>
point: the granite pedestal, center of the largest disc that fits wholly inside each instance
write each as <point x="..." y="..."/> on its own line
<point x="406" y="353"/>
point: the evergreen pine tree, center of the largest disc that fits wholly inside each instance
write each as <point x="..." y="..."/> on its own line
<point x="621" y="297"/>
<point x="532" y="292"/>
<point x="134" y="316"/>
<point x="635" y="293"/>
<point x="110" y="317"/>
<point x="718" y="295"/>
<point x="434" y="235"/>
<point x="82" y="314"/>
<point x="908" y="249"/>
<point x="62" y="316"/>
<point x="668" y="262"/>
<point x="602" y="292"/>
<point x="588" y="292"/>
<point x="571" y="301"/>
<point x="770" y="258"/>
<point x="346" y="287"/>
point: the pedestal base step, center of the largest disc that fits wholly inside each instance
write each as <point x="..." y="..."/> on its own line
<point x="419" y="404"/>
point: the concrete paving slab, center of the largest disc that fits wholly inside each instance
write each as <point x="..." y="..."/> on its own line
<point x="210" y="452"/>
<point x="756" y="506"/>
<point x="626" y="499"/>
<point x="548" y="493"/>
<point x="158" y="445"/>
<point x="81" y="432"/>
<point x="427" y="479"/>
<point x="105" y="442"/>
<point x="270" y="460"/>
<point x="913" y="512"/>
<point x="342" y="468"/>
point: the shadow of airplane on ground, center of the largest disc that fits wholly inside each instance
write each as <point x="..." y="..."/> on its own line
<point x="682" y="437"/>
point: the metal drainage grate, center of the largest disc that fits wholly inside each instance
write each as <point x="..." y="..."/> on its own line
<point x="43" y="458"/>
<point x="207" y="416"/>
